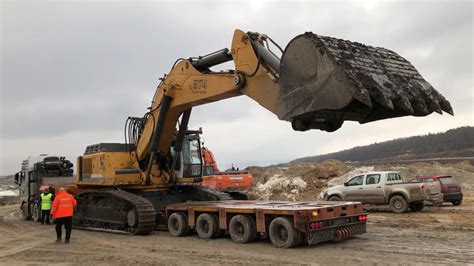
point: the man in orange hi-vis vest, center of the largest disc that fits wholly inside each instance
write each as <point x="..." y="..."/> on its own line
<point x="62" y="211"/>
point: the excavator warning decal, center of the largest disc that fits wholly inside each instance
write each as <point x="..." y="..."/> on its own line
<point x="199" y="86"/>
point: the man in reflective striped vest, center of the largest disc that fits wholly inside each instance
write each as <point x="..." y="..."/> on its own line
<point x="62" y="211"/>
<point x="46" y="198"/>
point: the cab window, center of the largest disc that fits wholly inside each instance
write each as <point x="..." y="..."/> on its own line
<point x="394" y="177"/>
<point x="192" y="158"/>
<point x="372" y="179"/>
<point x="356" y="181"/>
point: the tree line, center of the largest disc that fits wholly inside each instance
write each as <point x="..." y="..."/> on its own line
<point x="454" y="142"/>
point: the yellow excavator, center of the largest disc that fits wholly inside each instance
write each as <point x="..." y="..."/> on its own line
<point x="318" y="82"/>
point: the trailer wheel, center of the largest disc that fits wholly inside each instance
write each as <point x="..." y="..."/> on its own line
<point x="242" y="229"/>
<point x="178" y="224"/>
<point x="398" y="204"/>
<point x="207" y="226"/>
<point x="282" y="233"/>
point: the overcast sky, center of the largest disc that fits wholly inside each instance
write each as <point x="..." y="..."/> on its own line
<point x="72" y="72"/>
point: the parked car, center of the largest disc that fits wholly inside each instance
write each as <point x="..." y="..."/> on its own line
<point x="380" y="188"/>
<point x="449" y="187"/>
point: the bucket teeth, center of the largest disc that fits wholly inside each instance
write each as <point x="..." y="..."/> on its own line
<point x="446" y="106"/>
<point x="420" y="107"/>
<point x="404" y="104"/>
<point x="364" y="97"/>
<point x="383" y="100"/>
<point x="323" y="77"/>
<point x="434" y="105"/>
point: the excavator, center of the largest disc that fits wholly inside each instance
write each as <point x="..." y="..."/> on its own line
<point x="316" y="82"/>
<point x="230" y="181"/>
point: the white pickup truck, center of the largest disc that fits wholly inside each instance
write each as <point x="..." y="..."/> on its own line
<point x="382" y="188"/>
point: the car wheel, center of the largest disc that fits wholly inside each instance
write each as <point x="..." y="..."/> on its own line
<point x="457" y="202"/>
<point x="334" y="198"/>
<point x="398" y="204"/>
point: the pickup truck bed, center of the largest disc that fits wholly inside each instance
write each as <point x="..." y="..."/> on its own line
<point x="312" y="221"/>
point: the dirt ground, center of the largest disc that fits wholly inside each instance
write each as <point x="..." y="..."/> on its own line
<point x="434" y="236"/>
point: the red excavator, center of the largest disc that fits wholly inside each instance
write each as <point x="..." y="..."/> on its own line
<point x="229" y="180"/>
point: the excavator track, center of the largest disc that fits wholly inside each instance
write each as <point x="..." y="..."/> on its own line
<point x="114" y="211"/>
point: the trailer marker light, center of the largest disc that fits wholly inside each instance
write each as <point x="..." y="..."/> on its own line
<point x="314" y="213"/>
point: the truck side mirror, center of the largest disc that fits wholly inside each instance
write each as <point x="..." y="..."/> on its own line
<point x="345" y="184"/>
<point x="17" y="178"/>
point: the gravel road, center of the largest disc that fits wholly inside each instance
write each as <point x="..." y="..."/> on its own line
<point x="436" y="235"/>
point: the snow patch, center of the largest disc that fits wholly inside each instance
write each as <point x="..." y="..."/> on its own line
<point x="289" y="187"/>
<point x="9" y="193"/>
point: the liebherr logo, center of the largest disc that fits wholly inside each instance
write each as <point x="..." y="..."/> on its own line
<point x="199" y="86"/>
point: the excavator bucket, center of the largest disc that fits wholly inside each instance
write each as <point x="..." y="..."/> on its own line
<point x="325" y="81"/>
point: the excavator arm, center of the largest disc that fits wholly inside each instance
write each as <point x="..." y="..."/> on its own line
<point x="318" y="83"/>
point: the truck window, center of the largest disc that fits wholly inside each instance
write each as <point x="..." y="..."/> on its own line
<point x="394" y="178"/>
<point x="372" y="179"/>
<point x="356" y="181"/>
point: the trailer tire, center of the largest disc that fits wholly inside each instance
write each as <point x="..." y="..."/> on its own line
<point x="242" y="229"/>
<point x="398" y="204"/>
<point x="207" y="226"/>
<point x="178" y="224"/>
<point x="282" y="233"/>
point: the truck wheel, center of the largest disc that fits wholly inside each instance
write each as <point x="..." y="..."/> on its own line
<point x="398" y="204"/>
<point x="242" y="229"/>
<point x="282" y="233"/>
<point x="334" y="198"/>
<point x="178" y="224"/>
<point x="416" y="207"/>
<point x="36" y="216"/>
<point x="457" y="202"/>
<point x="24" y="212"/>
<point x="207" y="226"/>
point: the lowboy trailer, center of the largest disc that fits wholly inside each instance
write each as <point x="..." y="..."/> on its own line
<point x="287" y="224"/>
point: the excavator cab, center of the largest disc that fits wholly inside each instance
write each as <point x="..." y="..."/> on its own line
<point x="188" y="163"/>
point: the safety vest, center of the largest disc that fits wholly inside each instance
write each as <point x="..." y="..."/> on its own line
<point x="46" y="201"/>
<point x="63" y="205"/>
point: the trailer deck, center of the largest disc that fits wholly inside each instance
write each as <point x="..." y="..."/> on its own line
<point x="319" y="221"/>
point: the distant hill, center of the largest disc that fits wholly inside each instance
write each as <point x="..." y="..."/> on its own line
<point x="458" y="142"/>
